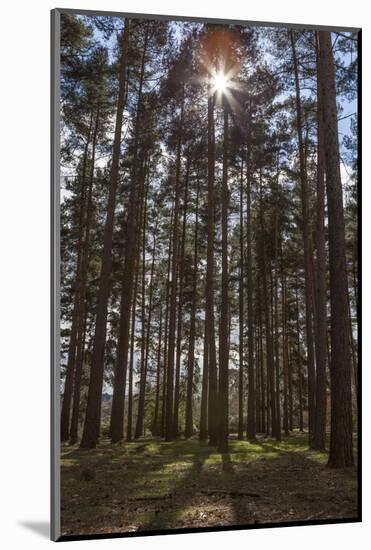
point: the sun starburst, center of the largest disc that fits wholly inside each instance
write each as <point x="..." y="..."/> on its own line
<point x="220" y="82"/>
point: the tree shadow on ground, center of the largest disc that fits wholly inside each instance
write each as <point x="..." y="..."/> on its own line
<point x="290" y="484"/>
<point x="154" y="485"/>
<point x="286" y="483"/>
<point x="133" y="482"/>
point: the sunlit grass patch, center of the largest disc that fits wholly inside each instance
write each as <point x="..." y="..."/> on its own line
<point x="318" y="456"/>
<point x="69" y="462"/>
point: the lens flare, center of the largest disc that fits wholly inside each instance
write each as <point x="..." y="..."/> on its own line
<point x="220" y="82"/>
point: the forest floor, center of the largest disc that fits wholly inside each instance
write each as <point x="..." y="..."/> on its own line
<point x="151" y="485"/>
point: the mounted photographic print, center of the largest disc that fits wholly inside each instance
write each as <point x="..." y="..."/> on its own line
<point x="205" y="279"/>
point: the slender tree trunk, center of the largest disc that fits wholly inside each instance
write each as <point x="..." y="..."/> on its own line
<point x="143" y="323"/>
<point x="261" y="363"/>
<point x="251" y="421"/>
<point x="341" y="441"/>
<point x="272" y="409"/>
<point x="77" y="387"/>
<point x="276" y="429"/>
<point x="210" y="321"/>
<point x="285" y="359"/>
<point x="119" y="387"/>
<point x="241" y="317"/>
<point x="277" y="432"/>
<point x="82" y="294"/>
<point x="139" y="430"/>
<point x="169" y="424"/>
<point x="268" y="407"/>
<point x="180" y="307"/>
<point x="129" y="432"/>
<point x="131" y="364"/>
<point x="290" y="389"/>
<point x="306" y="234"/>
<point x="93" y="410"/>
<point x="319" y="437"/>
<point x="163" y="405"/>
<point x="299" y="365"/>
<point x="204" y="388"/>
<point x="224" y="317"/>
<point x="192" y="332"/>
<point x="352" y="347"/>
<point x="355" y="282"/>
<point x="71" y="362"/>
<point x="155" y="427"/>
<point x="258" y="405"/>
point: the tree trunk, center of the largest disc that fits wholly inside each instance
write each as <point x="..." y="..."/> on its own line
<point x="290" y="389"/>
<point x="209" y="315"/>
<point x="119" y="387"/>
<point x="306" y="234"/>
<point x="261" y="360"/>
<point x="277" y="432"/>
<point x="241" y="317"/>
<point x="169" y="424"/>
<point x="258" y="421"/>
<point x="139" y="430"/>
<point x="353" y="350"/>
<point x="163" y="405"/>
<point x="272" y="409"/>
<point x="224" y="310"/>
<point x="192" y="333"/>
<point x="74" y="429"/>
<point x="276" y="429"/>
<point x="180" y="306"/>
<point x="299" y="365"/>
<point x="131" y="364"/>
<point x="341" y="443"/>
<point x="82" y="297"/>
<point x="155" y="427"/>
<point x="129" y="432"/>
<point x="143" y="323"/>
<point x="252" y="396"/>
<point x="285" y="359"/>
<point x="319" y="436"/>
<point x="93" y="410"/>
<point x="71" y="362"/>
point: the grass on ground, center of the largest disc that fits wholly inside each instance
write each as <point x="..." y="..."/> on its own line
<point x="153" y="485"/>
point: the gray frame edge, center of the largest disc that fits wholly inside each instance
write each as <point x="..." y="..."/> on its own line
<point x="55" y="492"/>
<point x="161" y="17"/>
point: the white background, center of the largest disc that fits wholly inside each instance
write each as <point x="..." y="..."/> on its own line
<point x="24" y="270"/>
